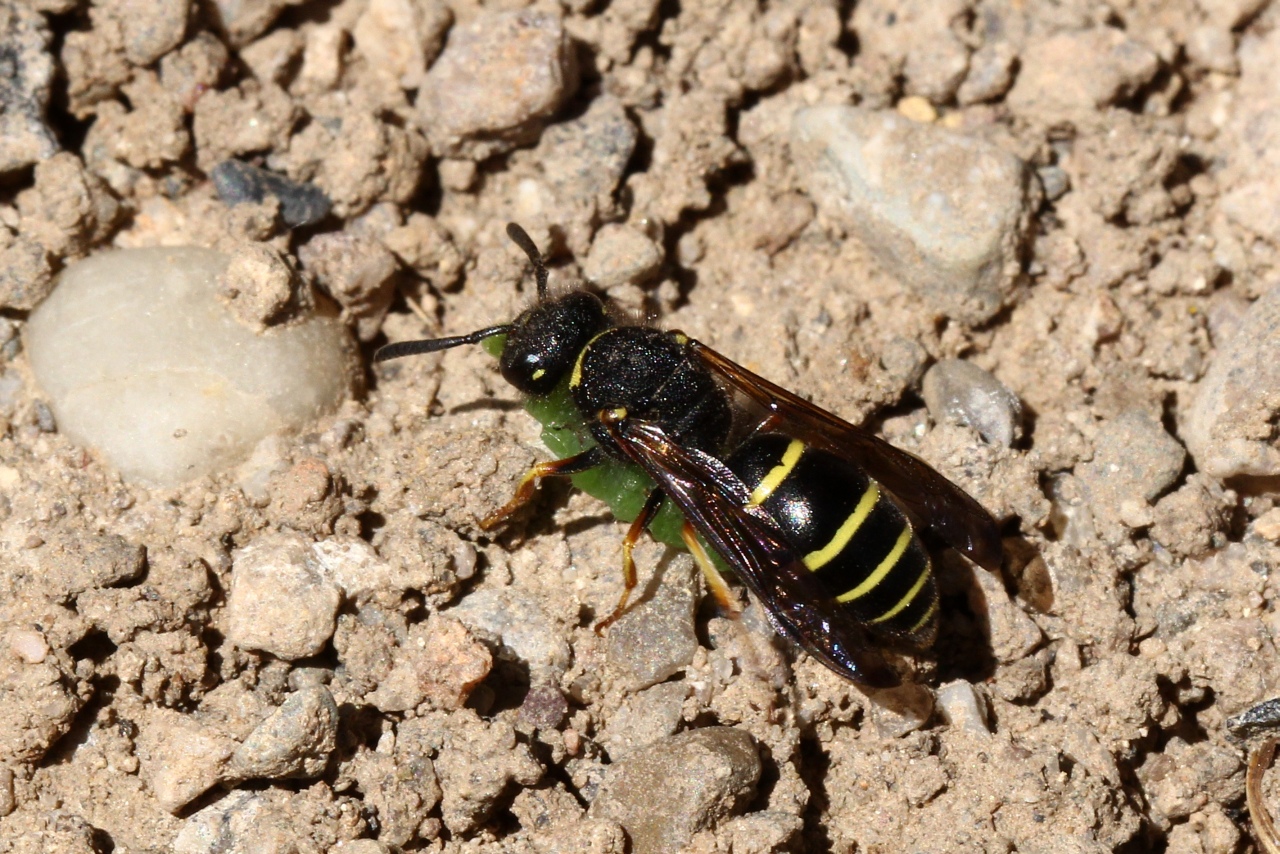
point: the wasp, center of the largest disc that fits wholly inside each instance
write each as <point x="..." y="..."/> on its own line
<point x="817" y="517"/>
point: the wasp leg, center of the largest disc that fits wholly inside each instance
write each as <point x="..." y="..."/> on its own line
<point x="638" y="527"/>
<point x="715" y="581"/>
<point x="589" y="458"/>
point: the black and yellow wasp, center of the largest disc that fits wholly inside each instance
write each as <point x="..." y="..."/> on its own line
<point x="814" y="514"/>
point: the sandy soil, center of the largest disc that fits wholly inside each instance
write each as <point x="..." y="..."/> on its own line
<point x="323" y="651"/>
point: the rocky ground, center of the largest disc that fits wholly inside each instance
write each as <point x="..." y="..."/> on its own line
<point x="1032" y="241"/>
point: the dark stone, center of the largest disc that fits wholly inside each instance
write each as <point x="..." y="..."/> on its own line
<point x="300" y="204"/>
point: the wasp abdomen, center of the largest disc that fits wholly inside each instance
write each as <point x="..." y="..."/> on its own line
<point x="848" y="531"/>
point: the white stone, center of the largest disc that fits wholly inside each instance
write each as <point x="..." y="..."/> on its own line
<point x="142" y="363"/>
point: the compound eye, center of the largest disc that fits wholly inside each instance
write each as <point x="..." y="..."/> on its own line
<point x="532" y="371"/>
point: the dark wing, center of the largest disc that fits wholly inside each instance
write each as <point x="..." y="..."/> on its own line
<point x="934" y="501"/>
<point x="716" y="503"/>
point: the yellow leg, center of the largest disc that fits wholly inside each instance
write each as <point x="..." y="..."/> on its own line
<point x="638" y="527"/>
<point x="715" y="581"/>
<point x="524" y="490"/>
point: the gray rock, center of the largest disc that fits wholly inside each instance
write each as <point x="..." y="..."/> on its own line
<point x="679" y="786"/>
<point x="621" y="255"/>
<point x="644" y="718"/>
<point x="143" y="363"/>
<point x="281" y="600"/>
<point x="583" y="161"/>
<point x="519" y="624"/>
<point x="295" y="741"/>
<point x="1134" y="461"/>
<point x="1230" y="429"/>
<point x="25" y="136"/>
<point x="497" y="81"/>
<point x="300" y="204"/>
<point x="962" y="393"/>
<point x="655" y="638"/>
<point x="945" y="214"/>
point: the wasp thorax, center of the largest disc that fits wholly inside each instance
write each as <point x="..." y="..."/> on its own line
<point x="545" y="341"/>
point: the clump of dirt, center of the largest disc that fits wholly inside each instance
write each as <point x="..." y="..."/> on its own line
<point x="1033" y="242"/>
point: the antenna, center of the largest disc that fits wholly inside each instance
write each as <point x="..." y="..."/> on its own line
<point x="522" y="239"/>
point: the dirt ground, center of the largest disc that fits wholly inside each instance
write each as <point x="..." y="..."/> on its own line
<point x="321" y="650"/>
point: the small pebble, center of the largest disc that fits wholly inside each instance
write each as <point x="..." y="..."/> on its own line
<point x="678" y="786"/>
<point x="621" y="255"/>
<point x="1262" y="718"/>
<point x="644" y="718"/>
<point x="242" y="822"/>
<point x="181" y="757"/>
<point x="898" y="711"/>
<point x="518" y="623"/>
<point x="238" y="182"/>
<point x="963" y="707"/>
<point x="656" y="638"/>
<point x="1013" y="634"/>
<point x="943" y="213"/>
<point x="295" y="741"/>
<point x="439" y="664"/>
<point x="1230" y="428"/>
<point x="401" y="38"/>
<point x="1135" y="459"/>
<point x="161" y="379"/>
<point x="960" y="392"/>
<point x="499" y="78"/>
<point x="280" y="602"/>
<point x="357" y="272"/>
<point x="1076" y="70"/>
<point x="8" y="803"/>
<point x="29" y="645"/>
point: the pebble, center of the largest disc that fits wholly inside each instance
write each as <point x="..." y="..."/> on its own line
<point x="898" y="711"/>
<point x="519" y="624"/>
<point x="439" y="663"/>
<point x="963" y="707"/>
<point x="1213" y="47"/>
<point x="401" y="38"/>
<point x="655" y="638"/>
<point x="1135" y="459"/>
<point x="583" y="163"/>
<point x="237" y="182"/>
<point x="1230" y="427"/>
<point x="294" y="741"/>
<point x="182" y="758"/>
<point x="281" y="601"/>
<point x="678" y="786"/>
<point x="1081" y="70"/>
<point x="243" y="822"/>
<point x="1013" y="634"/>
<point x="499" y="78"/>
<point x="152" y="29"/>
<point x="25" y="135"/>
<point x="945" y="214"/>
<point x="644" y="718"/>
<point x="357" y="272"/>
<point x="144" y="364"/>
<point x="621" y="255"/>
<point x="960" y="392"/>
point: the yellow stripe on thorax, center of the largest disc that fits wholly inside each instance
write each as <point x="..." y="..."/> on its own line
<point x="778" y="473"/>
<point x="575" y="378"/>
<point x="890" y="561"/>
<point x="816" y="560"/>
<point x="906" y="599"/>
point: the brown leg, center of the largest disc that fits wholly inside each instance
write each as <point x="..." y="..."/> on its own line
<point x="638" y="527"/>
<point x="715" y="581"/>
<point x="524" y="490"/>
